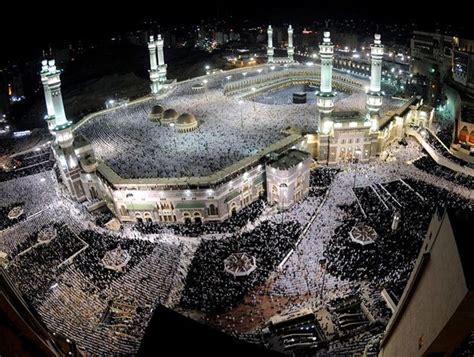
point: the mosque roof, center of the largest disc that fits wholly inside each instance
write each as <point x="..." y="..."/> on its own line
<point x="186" y="119"/>
<point x="170" y="114"/>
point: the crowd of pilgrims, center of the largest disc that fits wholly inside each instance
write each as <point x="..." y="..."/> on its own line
<point x="32" y="193"/>
<point x="229" y="130"/>
<point x="45" y="259"/>
<point x="389" y="260"/>
<point x="99" y="244"/>
<point x="27" y="164"/>
<point x="65" y="281"/>
<point x="209" y="288"/>
<point x="439" y="147"/>
<point x="426" y="163"/>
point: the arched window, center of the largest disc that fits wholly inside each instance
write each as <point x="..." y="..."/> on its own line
<point x="213" y="211"/>
<point x="93" y="192"/>
<point x="147" y="217"/>
<point x="463" y="134"/>
<point x="471" y="137"/>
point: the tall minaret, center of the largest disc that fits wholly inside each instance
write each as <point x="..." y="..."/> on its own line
<point x="325" y="96"/>
<point x="50" y="119"/>
<point x="291" y="50"/>
<point x="154" y="76"/>
<point x="374" y="95"/>
<point x="62" y="125"/>
<point x="270" y="44"/>
<point x="161" y="59"/>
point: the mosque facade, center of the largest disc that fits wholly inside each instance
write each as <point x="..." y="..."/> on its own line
<point x="279" y="174"/>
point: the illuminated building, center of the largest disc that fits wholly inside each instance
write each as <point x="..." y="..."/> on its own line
<point x="270" y="50"/>
<point x="291" y="50"/>
<point x="374" y="95"/>
<point x="282" y="164"/>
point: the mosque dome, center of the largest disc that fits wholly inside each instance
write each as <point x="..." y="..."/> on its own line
<point x="186" y="122"/>
<point x="156" y="113"/>
<point x="169" y="115"/>
<point x="186" y="118"/>
<point x="157" y="109"/>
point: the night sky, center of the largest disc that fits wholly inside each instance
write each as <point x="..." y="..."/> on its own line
<point x="29" y="26"/>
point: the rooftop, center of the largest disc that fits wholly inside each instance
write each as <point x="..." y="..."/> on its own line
<point x="289" y="159"/>
<point x="461" y="221"/>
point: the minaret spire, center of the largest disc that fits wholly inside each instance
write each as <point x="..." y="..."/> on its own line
<point x="161" y="59"/>
<point x="154" y="77"/>
<point x="270" y="50"/>
<point x="291" y="50"/>
<point x="374" y="95"/>
<point x="325" y="96"/>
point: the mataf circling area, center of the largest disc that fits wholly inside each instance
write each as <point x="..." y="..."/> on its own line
<point x="229" y="129"/>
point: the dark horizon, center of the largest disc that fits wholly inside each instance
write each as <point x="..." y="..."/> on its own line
<point x="55" y="25"/>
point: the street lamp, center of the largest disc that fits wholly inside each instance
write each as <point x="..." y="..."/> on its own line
<point x="207" y="67"/>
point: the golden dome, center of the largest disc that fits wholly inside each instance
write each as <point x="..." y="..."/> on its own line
<point x="170" y="114"/>
<point x="186" y="119"/>
<point x="157" y="109"/>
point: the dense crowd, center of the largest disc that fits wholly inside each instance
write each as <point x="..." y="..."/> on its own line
<point x="30" y="163"/>
<point x="45" y="258"/>
<point x="390" y="259"/>
<point x="440" y="147"/>
<point x="211" y="289"/>
<point x="229" y="130"/>
<point x="426" y="163"/>
<point x="65" y="280"/>
<point x="77" y="296"/>
<point x="32" y="193"/>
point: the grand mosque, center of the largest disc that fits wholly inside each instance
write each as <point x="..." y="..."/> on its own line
<point x="202" y="149"/>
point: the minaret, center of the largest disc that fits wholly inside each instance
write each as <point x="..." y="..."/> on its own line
<point x="154" y="75"/>
<point x="291" y="50"/>
<point x="374" y="95"/>
<point x="325" y="96"/>
<point x="49" y="117"/>
<point x="161" y="59"/>
<point x="62" y="125"/>
<point x="270" y="51"/>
